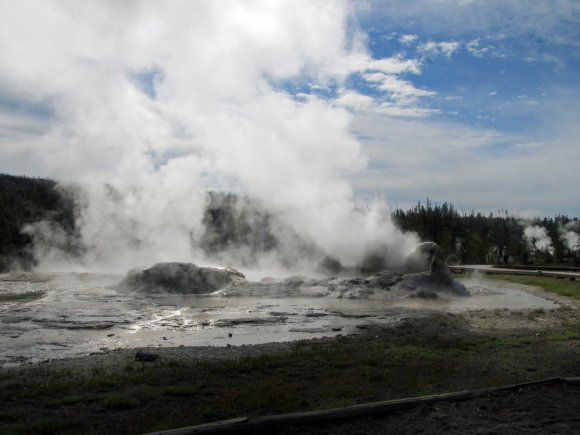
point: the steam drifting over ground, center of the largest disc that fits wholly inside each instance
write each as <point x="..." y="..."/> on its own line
<point x="153" y="105"/>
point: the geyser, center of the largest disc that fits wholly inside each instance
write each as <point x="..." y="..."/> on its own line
<point x="187" y="278"/>
<point x="185" y="98"/>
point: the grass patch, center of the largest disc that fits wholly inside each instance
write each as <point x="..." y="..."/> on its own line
<point x="559" y="286"/>
<point x="115" y="401"/>
<point x="180" y="390"/>
<point x="73" y="399"/>
<point x="51" y="425"/>
<point x="7" y="415"/>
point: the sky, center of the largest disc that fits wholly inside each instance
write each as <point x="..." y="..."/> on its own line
<point x="471" y="102"/>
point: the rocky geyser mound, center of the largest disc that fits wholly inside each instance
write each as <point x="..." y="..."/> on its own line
<point x="183" y="278"/>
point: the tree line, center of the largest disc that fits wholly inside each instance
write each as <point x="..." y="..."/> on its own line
<point x="475" y="238"/>
<point x="25" y="200"/>
<point x="231" y="222"/>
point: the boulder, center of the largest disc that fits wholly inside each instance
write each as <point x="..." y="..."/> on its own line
<point x="184" y="278"/>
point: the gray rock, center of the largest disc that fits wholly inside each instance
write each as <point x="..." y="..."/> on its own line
<point x="383" y="280"/>
<point x="184" y="278"/>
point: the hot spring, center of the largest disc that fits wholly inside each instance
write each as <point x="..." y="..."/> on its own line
<point x="58" y="315"/>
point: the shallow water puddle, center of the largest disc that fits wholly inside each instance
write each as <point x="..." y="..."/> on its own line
<point x="62" y="315"/>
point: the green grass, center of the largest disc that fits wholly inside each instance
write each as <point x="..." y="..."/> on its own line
<point x="312" y="376"/>
<point x="559" y="286"/>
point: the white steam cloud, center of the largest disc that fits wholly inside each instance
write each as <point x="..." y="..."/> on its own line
<point x="538" y="237"/>
<point x="569" y="235"/>
<point x="150" y="104"/>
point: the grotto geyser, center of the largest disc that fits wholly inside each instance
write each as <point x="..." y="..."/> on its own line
<point x="424" y="274"/>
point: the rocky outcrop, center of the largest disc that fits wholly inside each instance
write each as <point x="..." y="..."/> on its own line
<point x="428" y="256"/>
<point x="184" y="278"/>
<point x="431" y="276"/>
<point x="383" y="280"/>
<point x="426" y="274"/>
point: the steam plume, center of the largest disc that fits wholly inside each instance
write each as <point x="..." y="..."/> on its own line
<point x="153" y="104"/>
<point x="569" y="235"/>
<point x="537" y="237"/>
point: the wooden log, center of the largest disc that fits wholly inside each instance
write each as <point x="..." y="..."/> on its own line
<point x="271" y="422"/>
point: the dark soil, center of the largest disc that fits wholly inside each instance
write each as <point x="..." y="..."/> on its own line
<point x="552" y="408"/>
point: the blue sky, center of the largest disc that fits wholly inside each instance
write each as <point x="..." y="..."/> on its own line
<point x="508" y="70"/>
<point x="467" y="101"/>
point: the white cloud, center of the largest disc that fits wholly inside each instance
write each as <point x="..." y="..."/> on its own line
<point x="401" y="91"/>
<point x="475" y="48"/>
<point x="401" y="110"/>
<point x="419" y="158"/>
<point x="393" y="65"/>
<point x="396" y="96"/>
<point x="435" y="48"/>
<point x="408" y="39"/>
<point x="355" y="101"/>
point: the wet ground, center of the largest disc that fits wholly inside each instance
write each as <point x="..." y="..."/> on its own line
<point x="49" y="316"/>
